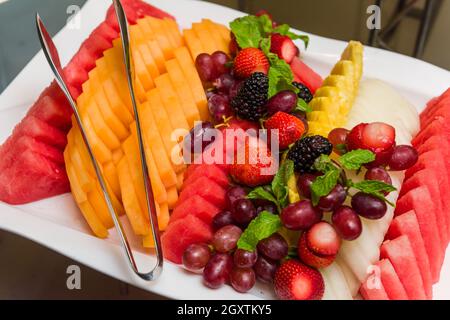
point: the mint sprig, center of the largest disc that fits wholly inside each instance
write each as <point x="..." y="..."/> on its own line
<point x="355" y="159"/>
<point x="374" y="188"/>
<point x="285" y="30"/>
<point x="262" y="227"/>
<point x="324" y="184"/>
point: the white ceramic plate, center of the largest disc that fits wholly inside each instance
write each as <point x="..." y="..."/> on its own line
<point x="56" y="222"/>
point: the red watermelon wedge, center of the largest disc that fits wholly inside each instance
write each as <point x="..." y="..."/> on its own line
<point x="420" y="201"/>
<point x="182" y="233"/>
<point x="207" y="189"/>
<point x="407" y="224"/>
<point x="196" y="206"/>
<point x="373" y="293"/>
<point x="305" y="75"/>
<point x="210" y="171"/>
<point x="391" y="283"/>
<point x="401" y="255"/>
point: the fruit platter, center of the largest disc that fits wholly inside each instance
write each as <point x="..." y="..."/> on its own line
<point x="283" y="165"/>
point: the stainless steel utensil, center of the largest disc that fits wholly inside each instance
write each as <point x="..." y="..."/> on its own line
<point x="51" y="54"/>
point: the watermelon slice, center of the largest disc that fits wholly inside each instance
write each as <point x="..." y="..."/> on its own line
<point x="210" y="171"/>
<point x="369" y="293"/>
<point x="391" y="283"/>
<point x="196" y="206"/>
<point x="429" y="179"/>
<point x="407" y="224"/>
<point x="207" y="189"/>
<point x="437" y="143"/>
<point x="51" y="111"/>
<point x="420" y="201"/>
<point x="400" y="253"/>
<point x="40" y="178"/>
<point x="306" y="75"/>
<point x="75" y="75"/>
<point x="440" y="112"/>
<point x="438" y="127"/>
<point x="182" y="233"/>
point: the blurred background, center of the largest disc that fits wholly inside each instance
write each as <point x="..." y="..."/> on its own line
<point x="419" y="28"/>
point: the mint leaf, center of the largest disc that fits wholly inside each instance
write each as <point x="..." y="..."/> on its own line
<point x="302" y="106"/>
<point x="265" y="46"/>
<point x="248" y="31"/>
<point x="323" y="163"/>
<point x="280" y="182"/>
<point x="374" y="188"/>
<point x="265" y="24"/>
<point x="263" y="194"/>
<point x="262" y="227"/>
<point x="323" y="185"/>
<point x="284" y="30"/>
<point x="280" y="75"/>
<point x="353" y="160"/>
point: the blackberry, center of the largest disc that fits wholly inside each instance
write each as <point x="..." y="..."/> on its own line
<point x="250" y="102"/>
<point x="305" y="151"/>
<point x="304" y="93"/>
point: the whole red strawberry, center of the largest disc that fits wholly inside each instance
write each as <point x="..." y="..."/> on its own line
<point x="250" y="60"/>
<point x="254" y="164"/>
<point x="296" y="281"/>
<point x="284" y="47"/>
<point x="290" y="128"/>
<point x="377" y="137"/>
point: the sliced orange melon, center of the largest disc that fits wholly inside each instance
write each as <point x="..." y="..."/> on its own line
<point x="205" y="37"/>
<point x="193" y="42"/>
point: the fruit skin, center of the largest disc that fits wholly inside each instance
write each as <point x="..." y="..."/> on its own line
<point x="217" y="271"/>
<point x="347" y="223"/>
<point x="284" y="47"/>
<point x="250" y="102"/>
<point x="402" y="158"/>
<point x="360" y="137"/>
<point x="310" y="258"/>
<point x="369" y="206"/>
<point x="258" y="159"/>
<point x="274" y="247"/>
<point x="304" y="92"/>
<point x="296" y="281"/>
<point x="290" y="128"/>
<point x="322" y="239"/>
<point x="300" y="215"/>
<point x="249" y="61"/>
<point x="307" y="150"/>
<point x="305" y="75"/>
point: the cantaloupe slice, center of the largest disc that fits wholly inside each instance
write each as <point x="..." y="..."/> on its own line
<point x="188" y="67"/>
<point x="172" y="26"/>
<point x="110" y="172"/>
<point x="184" y="92"/>
<point x="153" y="27"/>
<point x="165" y="128"/>
<point x="101" y="151"/>
<point x="171" y="102"/>
<point x="141" y="71"/>
<point x="93" y="221"/>
<point x="116" y="103"/>
<point x="158" y="55"/>
<point x="219" y="42"/>
<point x="205" y="37"/>
<point x="149" y="61"/>
<point x="103" y="131"/>
<point x="193" y="42"/>
<point x="77" y="191"/>
<point x="172" y="197"/>
<point x="224" y="32"/>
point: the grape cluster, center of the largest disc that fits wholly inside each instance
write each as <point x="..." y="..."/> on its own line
<point x="222" y="262"/>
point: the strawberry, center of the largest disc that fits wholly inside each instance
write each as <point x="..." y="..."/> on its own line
<point x="290" y="128"/>
<point x="263" y="12"/>
<point x="296" y="281"/>
<point x="284" y="47"/>
<point x="253" y="164"/>
<point x="377" y="137"/>
<point x="322" y="239"/>
<point x="310" y="258"/>
<point x="250" y="60"/>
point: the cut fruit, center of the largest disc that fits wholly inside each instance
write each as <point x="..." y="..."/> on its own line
<point x="306" y="75"/>
<point x="391" y="283"/>
<point x="407" y="224"/>
<point x="400" y="253"/>
<point x="212" y="172"/>
<point x="182" y="233"/>
<point x="207" y="189"/>
<point x="196" y="206"/>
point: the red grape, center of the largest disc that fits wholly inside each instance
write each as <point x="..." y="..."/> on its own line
<point x="403" y="157"/>
<point x="347" y="223"/>
<point x="224" y="83"/>
<point x="226" y="238"/>
<point x="219" y="107"/>
<point x="220" y="60"/>
<point x="243" y="211"/>
<point x="269" y="207"/>
<point x="265" y="269"/>
<point x="334" y="199"/>
<point x="245" y="259"/>
<point x="338" y="137"/>
<point x="196" y="256"/>
<point x="205" y="67"/>
<point x="195" y="141"/>
<point x="233" y="194"/>
<point x="368" y="206"/>
<point x="304" y="183"/>
<point x="217" y="270"/>
<point x="284" y="101"/>
<point x="222" y="219"/>
<point x="235" y="89"/>
<point x="378" y="174"/>
<point x="274" y="247"/>
<point x="242" y="279"/>
<point x="300" y="215"/>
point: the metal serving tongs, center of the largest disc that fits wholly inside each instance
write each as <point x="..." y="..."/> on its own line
<point x="52" y="56"/>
